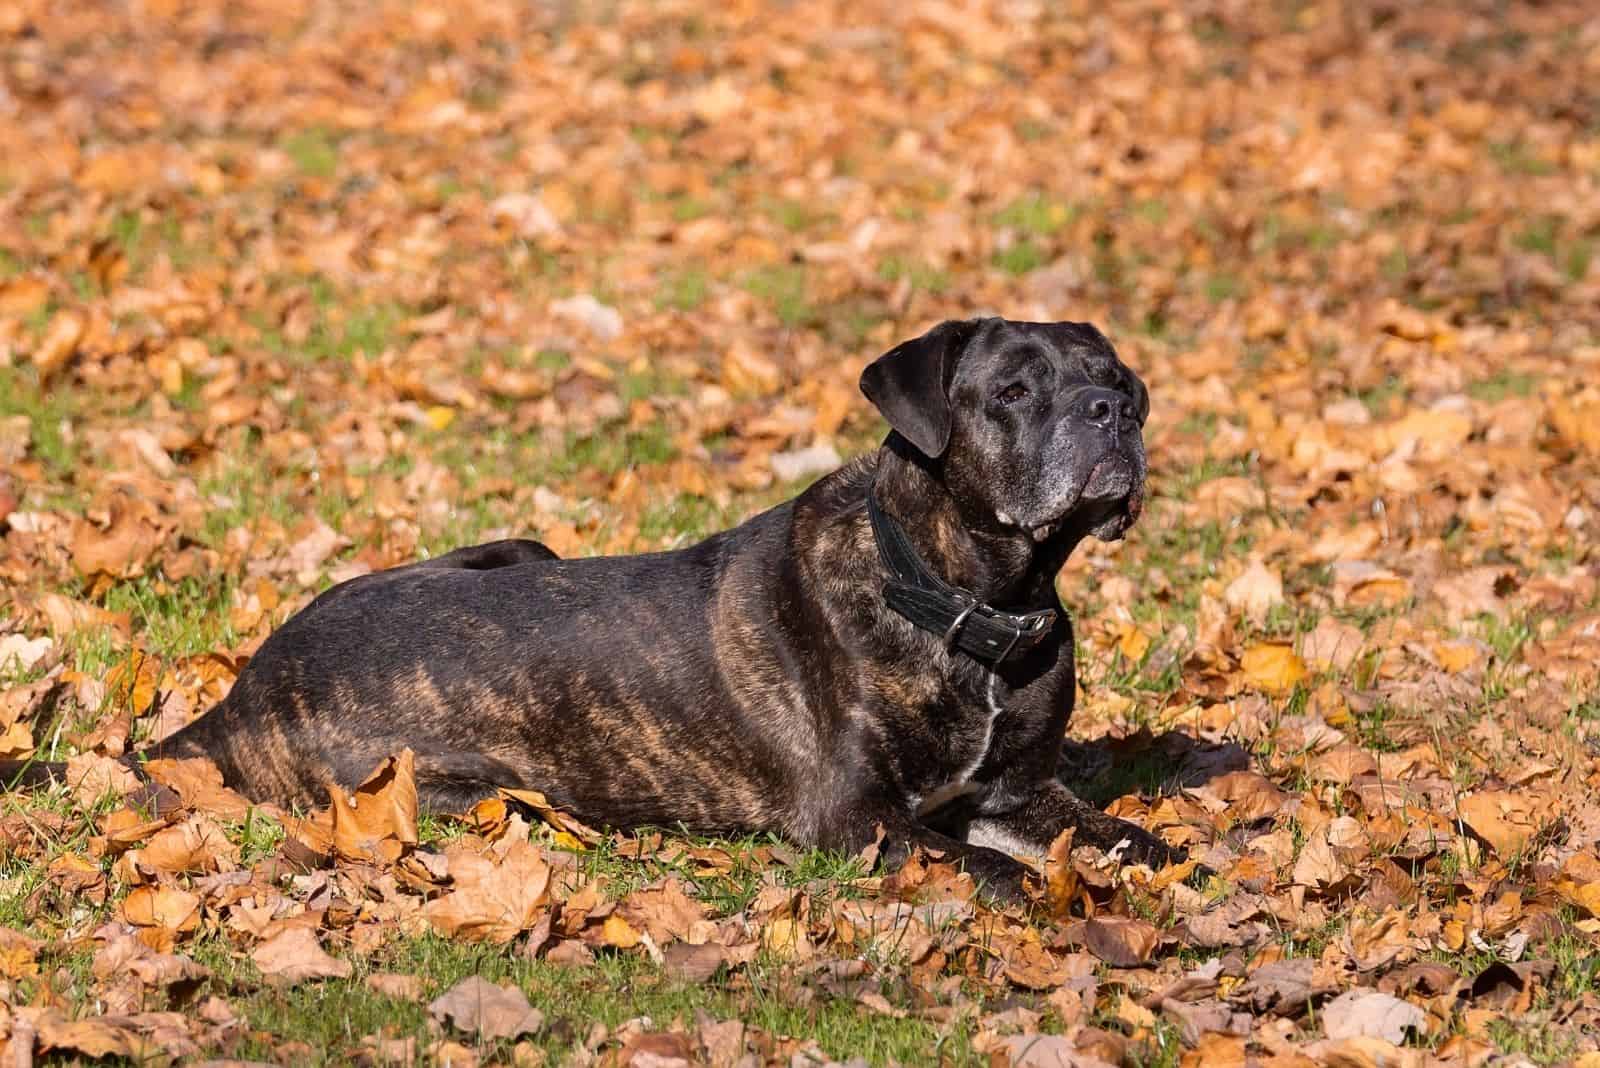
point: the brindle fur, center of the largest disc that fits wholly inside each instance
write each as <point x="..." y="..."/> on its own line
<point x="755" y="681"/>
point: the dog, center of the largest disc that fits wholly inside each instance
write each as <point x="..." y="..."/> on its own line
<point x="882" y="655"/>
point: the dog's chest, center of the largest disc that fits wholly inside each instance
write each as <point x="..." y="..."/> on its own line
<point x="953" y="777"/>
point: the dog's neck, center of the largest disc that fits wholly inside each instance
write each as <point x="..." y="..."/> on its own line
<point x="1000" y="565"/>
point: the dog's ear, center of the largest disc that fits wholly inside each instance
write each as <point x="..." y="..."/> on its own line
<point x="909" y="383"/>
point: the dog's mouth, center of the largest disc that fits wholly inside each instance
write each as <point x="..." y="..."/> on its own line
<point x="1110" y="502"/>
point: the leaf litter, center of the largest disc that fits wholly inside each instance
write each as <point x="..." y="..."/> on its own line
<point x="272" y="316"/>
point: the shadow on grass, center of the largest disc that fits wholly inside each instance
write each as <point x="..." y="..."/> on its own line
<point x="1144" y="763"/>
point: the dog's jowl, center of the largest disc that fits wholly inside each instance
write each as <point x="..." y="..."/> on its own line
<point x="885" y="650"/>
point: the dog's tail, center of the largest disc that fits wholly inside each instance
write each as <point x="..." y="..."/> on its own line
<point x="40" y="774"/>
<point x="31" y="774"/>
<point x="34" y="774"/>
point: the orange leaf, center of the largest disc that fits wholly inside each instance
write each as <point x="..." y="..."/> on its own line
<point x="378" y="822"/>
<point x="1273" y="667"/>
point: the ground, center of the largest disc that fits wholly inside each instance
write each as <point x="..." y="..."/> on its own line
<point x="290" y="291"/>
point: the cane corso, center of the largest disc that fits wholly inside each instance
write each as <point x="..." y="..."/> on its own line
<point x="884" y="651"/>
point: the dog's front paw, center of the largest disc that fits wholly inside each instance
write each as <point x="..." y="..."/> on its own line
<point x="1000" y="878"/>
<point x="1131" y="844"/>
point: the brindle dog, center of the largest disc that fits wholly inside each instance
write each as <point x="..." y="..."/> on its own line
<point x="884" y="651"/>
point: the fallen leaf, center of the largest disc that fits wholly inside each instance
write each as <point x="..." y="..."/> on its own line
<point x="1048" y="1051"/>
<point x="293" y="956"/>
<point x="93" y="778"/>
<point x="1273" y="667"/>
<point x="490" y="1012"/>
<point x="1120" y="941"/>
<point x="1255" y="592"/>
<point x="198" y="844"/>
<point x="492" y="900"/>
<point x="379" y="821"/>
<point x="123" y="547"/>
<point x="787" y="939"/>
<point x="1368" y="1014"/>
<point x="59" y="343"/>
<point x="1507" y="821"/>
<point x="198" y="782"/>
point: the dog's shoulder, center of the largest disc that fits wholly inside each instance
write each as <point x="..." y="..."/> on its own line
<point x="832" y="508"/>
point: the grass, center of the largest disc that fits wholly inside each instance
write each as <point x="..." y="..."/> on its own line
<point x="302" y="240"/>
<point x="1035" y="213"/>
<point x="50" y="414"/>
<point x="920" y="275"/>
<point x="314" y="152"/>
<point x="783" y="287"/>
<point x="1020" y="257"/>
<point x="685" y="290"/>
<point x="332" y="1017"/>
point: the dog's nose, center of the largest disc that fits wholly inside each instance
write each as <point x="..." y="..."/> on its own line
<point x="1105" y="408"/>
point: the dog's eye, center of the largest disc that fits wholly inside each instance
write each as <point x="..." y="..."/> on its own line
<point x="1012" y="393"/>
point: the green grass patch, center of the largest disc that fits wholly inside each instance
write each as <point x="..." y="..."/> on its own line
<point x="315" y="152"/>
<point x="921" y="275"/>
<point x="51" y="414"/>
<point x="685" y="290"/>
<point x="783" y="287"/>
<point x="1037" y="214"/>
<point x="1020" y="257"/>
<point x="332" y="1017"/>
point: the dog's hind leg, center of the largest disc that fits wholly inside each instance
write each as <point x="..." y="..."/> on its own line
<point x="451" y="782"/>
<point x="490" y="555"/>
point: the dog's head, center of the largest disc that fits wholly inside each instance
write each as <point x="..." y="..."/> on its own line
<point x="1030" y="425"/>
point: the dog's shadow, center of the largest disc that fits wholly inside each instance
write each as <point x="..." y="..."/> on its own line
<point x="1144" y="763"/>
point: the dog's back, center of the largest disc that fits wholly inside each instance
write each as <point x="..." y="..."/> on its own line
<point x="615" y="685"/>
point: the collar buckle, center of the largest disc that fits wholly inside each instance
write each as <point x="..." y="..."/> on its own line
<point x="954" y="633"/>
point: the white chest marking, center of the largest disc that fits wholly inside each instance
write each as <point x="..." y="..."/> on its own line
<point x="961" y="784"/>
<point x="991" y="834"/>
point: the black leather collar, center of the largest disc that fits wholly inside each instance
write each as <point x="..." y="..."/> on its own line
<point x="959" y="619"/>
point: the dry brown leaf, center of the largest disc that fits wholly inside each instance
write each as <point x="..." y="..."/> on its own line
<point x="1255" y="592"/>
<point x="564" y="823"/>
<point x="199" y="783"/>
<point x="294" y="956"/>
<point x="787" y="939"/>
<point x="490" y="1012"/>
<point x="1061" y="880"/>
<point x="1332" y="644"/>
<point x="1048" y="1051"/>
<point x="492" y="900"/>
<point x="123" y="953"/>
<point x="1505" y="820"/>
<point x="124" y="546"/>
<point x="92" y="778"/>
<point x="1318" y="866"/>
<point x="665" y="911"/>
<point x="18" y="954"/>
<point x="198" y="844"/>
<point x="59" y="343"/>
<point x="396" y="986"/>
<point x="1121" y="941"/>
<point x="162" y="907"/>
<point x="379" y="821"/>
<point x="1369" y="1014"/>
